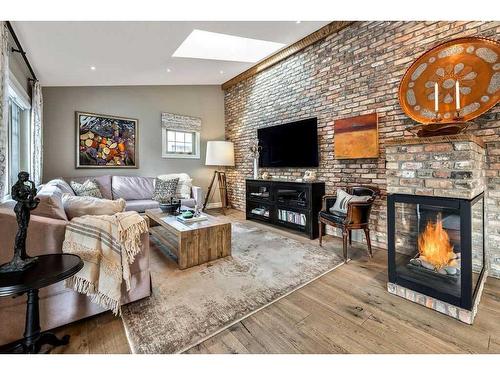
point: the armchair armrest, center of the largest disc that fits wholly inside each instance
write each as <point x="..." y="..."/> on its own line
<point x="328" y="201"/>
<point x="197" y="194"/>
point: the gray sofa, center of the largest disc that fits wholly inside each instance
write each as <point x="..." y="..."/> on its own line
<point x="137" y="191"/>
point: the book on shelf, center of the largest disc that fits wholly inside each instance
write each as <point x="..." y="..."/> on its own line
<point x="292" y="217"/>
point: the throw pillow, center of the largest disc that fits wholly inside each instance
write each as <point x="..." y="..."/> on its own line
<point x="183" y="186"/>
<point x="87" y="189"/>
<point x="343" y="199"/>
<point x="165" y="189"/>
<point x="50" y="203"/>
<point x="76" y="206"/>
<point x="61" y="184"/>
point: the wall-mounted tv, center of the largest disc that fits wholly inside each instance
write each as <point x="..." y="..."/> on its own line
<point x="293" y="144"/>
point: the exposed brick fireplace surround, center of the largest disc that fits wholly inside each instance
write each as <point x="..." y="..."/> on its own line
<point x="357" y="71"/>
<point x="436" y="222"/>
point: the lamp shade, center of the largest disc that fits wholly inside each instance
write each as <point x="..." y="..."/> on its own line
<point x="220" y="153"/>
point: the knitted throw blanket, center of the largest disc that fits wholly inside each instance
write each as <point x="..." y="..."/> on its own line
<point x="107" y="245"/>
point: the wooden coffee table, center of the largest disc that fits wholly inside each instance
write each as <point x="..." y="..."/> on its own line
<point x="193" y="243"/>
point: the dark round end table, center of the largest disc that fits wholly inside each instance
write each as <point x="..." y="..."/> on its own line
<point x="49" y="269"/>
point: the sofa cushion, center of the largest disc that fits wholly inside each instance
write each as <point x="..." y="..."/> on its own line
<point x="165" y="189"/>
<point x="76" y="206"/>
<point x="132" y="187"/>
<point x="189" y="202"/>
<point x="88" y="188"/>
<point x="61" y="184"/>
<point x="141" y="205"/>
<point x="50" y="203"/>
<point x="103" y="182"/>
<point x="183" y="186"/>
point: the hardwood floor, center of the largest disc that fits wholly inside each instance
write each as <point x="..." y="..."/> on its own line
<point x="345" y="311"/>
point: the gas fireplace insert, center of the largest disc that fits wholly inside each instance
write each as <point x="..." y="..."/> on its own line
<point x="436" y="246"/>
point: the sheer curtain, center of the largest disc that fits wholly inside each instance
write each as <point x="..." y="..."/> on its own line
<point x="4" y="121"/>
<point x="36" y="134"/>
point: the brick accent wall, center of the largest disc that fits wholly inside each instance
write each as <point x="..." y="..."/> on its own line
<point x="356" y="71"/>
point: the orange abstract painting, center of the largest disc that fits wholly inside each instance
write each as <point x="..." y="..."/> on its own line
<point x="357" y="137"/>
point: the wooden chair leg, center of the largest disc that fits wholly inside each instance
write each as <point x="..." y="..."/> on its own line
<point x="344" y="238"/>
<point x="368" y="242"/>
<point x="320" y="233"/>
<point x="350" y="237"/>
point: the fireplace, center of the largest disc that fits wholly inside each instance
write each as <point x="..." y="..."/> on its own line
<point x="435" y="219"/>
<point x="436" y="246"/>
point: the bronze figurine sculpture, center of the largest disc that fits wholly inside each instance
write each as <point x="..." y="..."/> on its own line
<point x="24" y="192"/>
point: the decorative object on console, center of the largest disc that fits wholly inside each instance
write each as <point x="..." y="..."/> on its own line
<point x="24" y="193"/>
<point x="106" y="141"/>
<point x="309" y="175"/>
<point x="451" y="84"/>
<point x="254" y="154"/>
<point x="265" y="176"/>
<point x="357" y="137"/>
<point x="219" y="153"/>
<point x="88" y="188"/>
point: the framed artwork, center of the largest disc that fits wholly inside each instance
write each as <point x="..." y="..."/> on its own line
<point x="106" y="141"/>
<point x="357" y="137"/>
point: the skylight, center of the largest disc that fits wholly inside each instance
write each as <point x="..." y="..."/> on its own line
<point x="214" y="46"/>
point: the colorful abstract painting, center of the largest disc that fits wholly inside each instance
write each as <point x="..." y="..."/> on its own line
<point x="106" y="141"/>
<point x="357" y="137"/>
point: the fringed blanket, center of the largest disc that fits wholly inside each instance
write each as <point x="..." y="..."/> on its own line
<point x="107" y="245"/>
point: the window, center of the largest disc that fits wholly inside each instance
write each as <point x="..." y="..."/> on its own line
<point x="180" y="144"/>
<point x="18" y="130"/>
<point x="15" y="116"/>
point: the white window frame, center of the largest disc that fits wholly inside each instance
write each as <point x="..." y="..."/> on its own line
<point x="20" y="97"/>
<point x="180" y="155"/>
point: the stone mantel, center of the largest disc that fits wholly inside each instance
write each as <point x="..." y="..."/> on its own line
<point x="436" y="139"/>
<point x="443" y="166"/>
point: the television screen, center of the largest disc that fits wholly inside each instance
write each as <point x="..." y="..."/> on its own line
<point x="293" y="144"/>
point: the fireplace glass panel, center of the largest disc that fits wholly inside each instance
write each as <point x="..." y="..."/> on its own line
<point x="477" y="241"/>
<point x="427" y="243"/>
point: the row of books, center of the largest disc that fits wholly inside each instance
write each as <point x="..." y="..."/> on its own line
<point x="292" y="217"/>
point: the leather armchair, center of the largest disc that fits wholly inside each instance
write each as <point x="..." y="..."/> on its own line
<point x="357" y="217"/>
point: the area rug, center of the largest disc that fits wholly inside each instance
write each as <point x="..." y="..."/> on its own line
<point x="189" y="306"/>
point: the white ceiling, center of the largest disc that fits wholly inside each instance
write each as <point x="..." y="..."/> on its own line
<point x="138" y="53"/>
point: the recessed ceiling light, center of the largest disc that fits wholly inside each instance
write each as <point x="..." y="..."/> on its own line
<point x="169" y="70"/>
<point x="214" y="46"/>
<point x="297" y="21"/>
<point x="221" y="72"/>
<point x="92" y="68"/>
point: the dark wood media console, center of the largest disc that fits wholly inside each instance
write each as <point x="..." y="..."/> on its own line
<point x="289" y="204"/>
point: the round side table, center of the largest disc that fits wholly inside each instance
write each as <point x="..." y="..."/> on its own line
<point x="48" y="270"/>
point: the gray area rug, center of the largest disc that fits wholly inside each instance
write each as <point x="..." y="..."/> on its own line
<point x="189" y="306"/>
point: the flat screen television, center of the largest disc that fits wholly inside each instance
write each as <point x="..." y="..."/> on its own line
<point x="294" y="144"/>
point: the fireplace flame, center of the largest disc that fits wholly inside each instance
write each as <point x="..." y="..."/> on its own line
<point x="434" y="245"/>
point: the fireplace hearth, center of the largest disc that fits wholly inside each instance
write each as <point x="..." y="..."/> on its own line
<point x="435" y="218"/>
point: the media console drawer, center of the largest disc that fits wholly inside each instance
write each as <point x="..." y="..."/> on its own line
<point x="288" y="204"/>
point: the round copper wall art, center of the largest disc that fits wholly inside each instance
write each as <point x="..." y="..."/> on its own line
<point x="473" y="62"/>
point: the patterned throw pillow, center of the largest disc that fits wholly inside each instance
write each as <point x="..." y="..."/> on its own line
<point x="88" y="189"/>
<point x="343" y="200"/>
<point x="165" y="189"/>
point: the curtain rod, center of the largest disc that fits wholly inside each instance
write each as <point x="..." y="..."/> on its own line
<point x="21" y="51"/>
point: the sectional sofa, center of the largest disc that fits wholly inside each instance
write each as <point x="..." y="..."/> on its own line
<point x="59" y="305"/>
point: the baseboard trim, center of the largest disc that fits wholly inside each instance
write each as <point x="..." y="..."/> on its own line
<point x="214" y="205"/>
